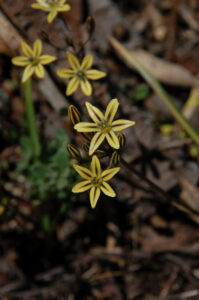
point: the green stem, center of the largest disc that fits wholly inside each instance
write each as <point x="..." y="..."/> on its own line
<point x="157" y="87"/>
<point x="31" y="118"/>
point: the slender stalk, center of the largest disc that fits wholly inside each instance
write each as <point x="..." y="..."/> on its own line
<point x="31" y="118"/>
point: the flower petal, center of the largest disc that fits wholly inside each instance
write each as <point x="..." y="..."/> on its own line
<point x="96" y="142"/>
<point x="95" y="114"/>
<point x="95" y="166"/>
<point x="121" y="124"/>
<point x="26" y="49"/>
<point x="82" y="186"/>
<point x="109" y="173"/>
<point x="29" y="70"/>
<point x="86" y="127"/>
<point x="86" y="87"/>
<point x="94" y="196"/>
<point x="61" y="2"/>
<point x="83" y="172"/>
<point x="112" y="139"/>
<point x="73" y="61"/>
<point x="47" y="59"/>
<point x="111" y="110"/>
<point x="87" y="62"/>
<point x="37" y="48"/>
<point x="72" y="86"/>
<point x="39" y="71"/>
<point x="107" y="189"/>
<point x="51" y="16"/>
<point x="65" y="7"/>
<point x="21" y="61"/>
<point x="95" y="74"/>
<point x="65" y="73"/>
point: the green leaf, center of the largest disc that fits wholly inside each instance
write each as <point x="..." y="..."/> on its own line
<point x="45" y="222"/>
<point x="141" y="92"/>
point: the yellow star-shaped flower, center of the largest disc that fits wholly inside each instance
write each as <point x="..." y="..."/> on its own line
<point x="80" y="74"/>
<point x="33" y="61"/>
<point x="51" y="6"/>
<point x="95" y="180"/>
<point x="103" y="125"/>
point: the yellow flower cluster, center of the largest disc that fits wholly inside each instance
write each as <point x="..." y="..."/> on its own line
<point x="53" y="7"/>
<point x="104" y="127"/>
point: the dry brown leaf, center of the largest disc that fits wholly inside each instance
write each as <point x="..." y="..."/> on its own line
<point x="164" y="71"/>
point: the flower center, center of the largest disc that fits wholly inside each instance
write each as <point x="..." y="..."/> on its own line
<point x="104" y="126"/>
<point x="80" y="74"/>
<point x="34" y="61"/>
<point x="96" y="181"/>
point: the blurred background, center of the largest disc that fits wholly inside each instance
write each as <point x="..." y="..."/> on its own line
<point x="143" y="244"/>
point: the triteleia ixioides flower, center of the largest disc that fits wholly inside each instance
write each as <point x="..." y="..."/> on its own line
<point x="33" y="60"/>
<point x="80" y="74"/>
<point x="95" y="180"/>
<point x="53" y="7"/>
<point x="103" y="126"/>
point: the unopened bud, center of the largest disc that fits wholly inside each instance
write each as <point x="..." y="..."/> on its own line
<point x="122" y="139"/>
<point x="73" y="114"/>
<point x="90" y="24"/>
<point x="115" y="158"/>
<point x="86" y="146"/>
<point x="73" y="151"/>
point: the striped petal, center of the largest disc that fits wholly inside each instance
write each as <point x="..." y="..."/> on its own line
<point x="37" y="48"/>
<point x="29" y="70"/>
<point x="65" y="7"/>
<point x="86" y="127"/>
<point x="112" y="139"/>
<point x="95" y="74"/>
<point x="39" y="71"/>
<point x="107" y="189"/>
<point x="119" y="125"/>
<point x="86" y="87"/>
<point x="109" y="173"/>
<point x="65" y="73"/>
<point x="82" y="186"/>
<point x="21" y="61"/>
<point x="111" y="110"/>
<point x="73" y="61"/>
<point x="95" y="114"/>
<point x="51" y="16"/>
<point x="96" y="142"/>
<point x="83" y="172"/>
<point x="72" y="86"/>
<point x="26" y="49"/>
<point x="47" y="59"/>
<point x="95" y="166"/>
<point x="94" y="196"/>
<point x="87" y="62"/>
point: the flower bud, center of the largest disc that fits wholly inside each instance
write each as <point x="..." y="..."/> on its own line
<point x="122" y="139"/>
<point x="90" y="24"/>
<point x="73" y="151"/>
<point x="73" y="114"/>
<point x="115" y="158"/>
<point x="86" y="146"/>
